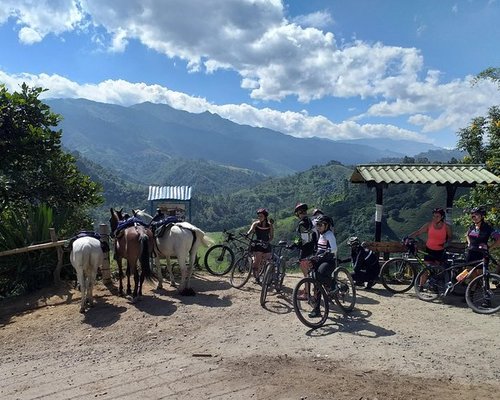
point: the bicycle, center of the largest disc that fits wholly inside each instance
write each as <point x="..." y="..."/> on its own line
<point x="483" y="291"/>
<point x="219" y="258"/>
<point x="274" y="272"/>
<point x="243" y="267"/>
<point x="398" y="274"/>
<point x="435" y="281"/>
<point x="311" y="295"/>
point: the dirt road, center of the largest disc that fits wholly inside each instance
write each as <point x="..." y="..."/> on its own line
<point x="220" y="344"/>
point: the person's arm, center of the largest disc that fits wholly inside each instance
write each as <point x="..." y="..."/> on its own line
<point x="271" y="232"/>
<point x="252" y="228"/>
<point x="418" y="232"/>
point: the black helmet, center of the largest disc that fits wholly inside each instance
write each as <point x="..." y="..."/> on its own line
<point x="439" y="210"/>
<point x="317" y="211"/>
<point x="479" y="210"/>
<point x="353" y="241"/>
<point x="325" y="219"/>
<point x="301" y="207"/>
<point x="263" y="211"/>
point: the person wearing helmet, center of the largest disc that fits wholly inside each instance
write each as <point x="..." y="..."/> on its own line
<point x="365" y="262"/>
<point x="263" y="230"/>
<point x="325" y="258"/>
<point x="479" y="234"/>
<point x="308" y="236"/>
<point x="438" y="234"/>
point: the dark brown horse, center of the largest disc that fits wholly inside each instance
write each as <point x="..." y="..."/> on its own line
<point x="134" y="242"/>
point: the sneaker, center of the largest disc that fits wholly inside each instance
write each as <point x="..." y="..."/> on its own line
<point x="314" y="314"/>
<point x="370" y="284"/>
<point x="486" y="304"/>
<point x="302" y="295"/>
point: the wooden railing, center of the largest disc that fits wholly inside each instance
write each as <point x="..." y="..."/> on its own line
<point x="105" y="269"/>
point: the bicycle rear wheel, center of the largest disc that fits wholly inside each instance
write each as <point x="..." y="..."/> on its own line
<point x="398" y="275"/>
<point x="267" y="283"/>
<point x="310" y="303"/>
<point x="483" y="294"/>
<point x="345" y="291"/>
<point x="241" y="271"/>
<point x="426" y="288"/>
<point x="219" y="259"/>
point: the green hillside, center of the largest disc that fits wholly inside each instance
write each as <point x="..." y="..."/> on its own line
<point x="233" y="204"/>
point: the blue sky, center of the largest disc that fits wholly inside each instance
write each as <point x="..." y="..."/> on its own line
<point x="338" y="69"/>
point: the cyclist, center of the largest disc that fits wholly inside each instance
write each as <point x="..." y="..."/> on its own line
<point x="324" y="260"/>
<point x="263" y="230"/>
<point x="438" y="234"/>
<point x="479" y="234"/>
<point x="308" y="236"/>
<point x="365" y="262"/>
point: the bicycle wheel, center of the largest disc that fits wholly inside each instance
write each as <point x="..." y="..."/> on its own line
<point x="398" y="275"/>
<point x="219" y="259"/>
<point x="483" y="294"/>
<point x="345" y="291"/>
<point x="425" y="286"/>
<point x="310" y="303"/>
<point x="241" y="271"/>
<point x="267" y="283"/>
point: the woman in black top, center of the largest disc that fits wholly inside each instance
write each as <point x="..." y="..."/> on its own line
<point x="263" y="230"/>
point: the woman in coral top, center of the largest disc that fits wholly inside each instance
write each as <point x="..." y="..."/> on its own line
<point x="438" y="233"/>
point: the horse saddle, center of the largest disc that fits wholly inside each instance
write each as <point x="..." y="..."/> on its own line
<point x="68" y="246"/>
<point x="160" y="231"/>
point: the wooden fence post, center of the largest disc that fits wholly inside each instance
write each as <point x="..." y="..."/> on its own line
<point x="57" y="271"/>
<point x="105" y="269"/>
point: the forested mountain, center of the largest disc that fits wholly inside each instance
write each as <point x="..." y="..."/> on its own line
<point x="406" y="207"/>
<point x="145" y="140"/>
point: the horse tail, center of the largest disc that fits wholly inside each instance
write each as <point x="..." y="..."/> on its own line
<point x="144" y="257"/>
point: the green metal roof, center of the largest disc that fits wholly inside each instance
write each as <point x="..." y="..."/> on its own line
<point x="439" y="174"/>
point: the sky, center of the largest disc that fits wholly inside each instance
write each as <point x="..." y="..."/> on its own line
<point x="336" y="69"/>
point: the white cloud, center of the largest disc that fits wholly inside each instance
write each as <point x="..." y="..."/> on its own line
<point x="38" y="18"/>
<point x="319" y="19"/>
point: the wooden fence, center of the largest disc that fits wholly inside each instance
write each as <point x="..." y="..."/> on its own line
<point x="105" y="269"/>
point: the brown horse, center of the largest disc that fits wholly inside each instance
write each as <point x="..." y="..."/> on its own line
<point x="134" y="242"/>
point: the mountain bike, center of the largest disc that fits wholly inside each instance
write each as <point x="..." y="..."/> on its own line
<point x="220" y="258"/>
<point x="274" y="272"/>
<point x="311" y="295"/>
<point x="436" y="281"/>
<point x="483" y="291"/>
<point x="398" y="274"/>
<point x="243" y="266"/>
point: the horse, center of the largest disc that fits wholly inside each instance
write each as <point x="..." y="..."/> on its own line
<point x="134" y="242"/>
<point x="86" y="256"/>
<point x="181" y="240"/>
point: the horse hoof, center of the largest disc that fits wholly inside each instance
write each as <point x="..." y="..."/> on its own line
<point x="188" y="292"/>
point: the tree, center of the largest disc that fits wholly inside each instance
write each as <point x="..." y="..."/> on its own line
<point x="33" y="167"/>
<point x="481" y="140"/>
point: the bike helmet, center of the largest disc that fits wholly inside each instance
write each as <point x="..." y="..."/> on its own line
<point x="353" y="241"/>
<point x="325" y="219"/>
<point x="317" y="211"/>
<point x="439" y="210"/>
<point x="478" y="210"/>
<point x="301" y="207"/>
<point x="263" y="211"/>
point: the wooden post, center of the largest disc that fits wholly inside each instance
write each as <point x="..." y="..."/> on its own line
<point x="57" y="271"/>
<point x="379" y="208"/>
<point x="105" y="269"/>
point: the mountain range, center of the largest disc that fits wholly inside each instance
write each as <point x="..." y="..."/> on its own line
<point x="156" y="144"/>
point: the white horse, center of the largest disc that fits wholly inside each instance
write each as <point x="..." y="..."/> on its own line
<point x="86" y="256"/>
<point x="182" y="241"/>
